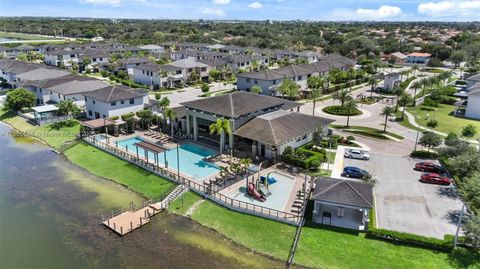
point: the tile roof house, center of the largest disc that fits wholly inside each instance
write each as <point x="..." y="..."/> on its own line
<point x="343" y="203"/>
<point x="260" y="124"/>
<point x="114" y="100"/>
<point x="270" y="79"/>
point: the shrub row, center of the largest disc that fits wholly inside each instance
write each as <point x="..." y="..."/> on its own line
<point x="341" y="111"/>
<point x="367" y="133"/>
<point x="424" y="154"/>
<point x="445" y="244"/>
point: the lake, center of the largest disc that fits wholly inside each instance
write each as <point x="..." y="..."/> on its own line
<point x="50" y="218"/>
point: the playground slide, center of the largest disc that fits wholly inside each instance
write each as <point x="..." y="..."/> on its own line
<point x="253" y="192"/>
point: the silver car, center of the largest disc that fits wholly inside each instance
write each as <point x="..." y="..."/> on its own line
<point x="356" y="154"/>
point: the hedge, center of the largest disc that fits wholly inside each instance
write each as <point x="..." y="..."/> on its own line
<point x="424" y="154"/>
<point x="341" y="111"/>
<point x="445" y="244"/>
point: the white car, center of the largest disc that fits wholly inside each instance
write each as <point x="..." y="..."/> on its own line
<point x="356" y="154"/>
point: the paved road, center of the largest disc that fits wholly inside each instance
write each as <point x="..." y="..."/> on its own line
<point x="190" y="94"/>
<point x="407" y="205"/>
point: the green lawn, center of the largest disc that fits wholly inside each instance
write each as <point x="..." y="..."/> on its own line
<point x="105" y="165"/>
<point x="265" y="236"/>
<point x="52" y="134"/>
<point x="405" y="122"/>
<point x="323" y="248"/>
<point x="189" y="198"/>
<point x="444" y="115"/>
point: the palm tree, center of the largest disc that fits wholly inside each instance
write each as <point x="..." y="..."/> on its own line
<point x="256" y="89"/>
<point x="315" y="83"/>
<point x="414" y="69"/>
<point x="404" y="100"/>
<point x="314" y="95"/>
<point x="221" y="127"/>
<point x="341" y="95"/>
<point x="387" y="112"/>
<point x="246" y="162"/>
<point x="397" y="91"/>
<point x="372" y="82"/>
<point x="417" y="85"/>
<point x="350" y="105"/>
<point x="164" y="104"/>
<point x="170" y="114"/>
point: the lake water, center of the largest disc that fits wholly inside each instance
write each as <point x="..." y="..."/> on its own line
<point x="49" y="218"/>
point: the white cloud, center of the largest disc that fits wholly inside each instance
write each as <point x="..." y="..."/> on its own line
<point x="214" y="11"/>
<point x="384" y="12"/>
<point x="255" y="5"/>
<point x="457" y="9"/>
<point x="221" y="2"/>
<point x="102" y="2"/>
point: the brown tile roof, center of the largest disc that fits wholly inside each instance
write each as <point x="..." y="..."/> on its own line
<point x="278" y="127"/>
<point x="344" y="192"/>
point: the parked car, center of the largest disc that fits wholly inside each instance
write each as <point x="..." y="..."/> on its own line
<point x="355" y="172"/>
<point x="356" y="154"/>
<point x="434" y="178"/>
<point x="429" y="167"/>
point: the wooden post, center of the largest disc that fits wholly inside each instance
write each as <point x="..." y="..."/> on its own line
<point x="140" y="221"/>
<point x="121" y="230"/>
<point x="108" y="222"/>
<point x="114" y="226"/>
<point x="131" y="226"/>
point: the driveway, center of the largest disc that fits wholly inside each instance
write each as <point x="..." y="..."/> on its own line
<point x="403" y="203"/>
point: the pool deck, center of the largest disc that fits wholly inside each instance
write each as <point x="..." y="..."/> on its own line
<point x="167" y="143"/>
<point x="290" y="205"/>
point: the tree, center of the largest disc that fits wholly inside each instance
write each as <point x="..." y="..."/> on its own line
<point x="430" y="140"/>
<point x="314" y="95"/>
<point x="164" y="104"/>
<point x="458" y="57"/>
<point x="469" y="131"/>
<point x="398" y="91"/>
<point x="146" y="117"/>
<point x="432" y="123"/>
<point x="68" y="107"/>
<point x="414" y="69"/>
<point x="417" y="85"/>
<point x="289" y="88"/>
<point x="372" y="82"/>
<point x="350" y="105"/>
<point x="205" y="88"/>
<point x="472" y="230"/>
<point x="19" y="98"/>
<point x="22" y="57"/>
<point x="221" y="127"/>
<point x="470" y="190"/>
<point x="171" y="115"/>
<point x="256" y="89"/>
<point x="341" y="95"/>
<point x="315" y="83"/>
<point x="403" y="101"/>
<point x="387" y="112"/>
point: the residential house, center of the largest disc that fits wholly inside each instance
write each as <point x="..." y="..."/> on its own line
<point x="190" y="67"/>
<point x="129" y="63"/>
<point x="397" y="57"/>
<point x="342" y="203"/>
<point x="114" y="100"/>
<point x="269" y="80"/>
<point x="9" y="69"/>
<point x="158" y="76"/>
<point x="473" y="102"/>
<point x="152" y="48"/>
<point x="418" y="58"/>
<point x="245" y="61"/>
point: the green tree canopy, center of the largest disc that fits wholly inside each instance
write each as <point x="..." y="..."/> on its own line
<point x="19" y="98"/>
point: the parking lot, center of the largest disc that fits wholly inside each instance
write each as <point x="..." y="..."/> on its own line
<point x="405" y="204"/>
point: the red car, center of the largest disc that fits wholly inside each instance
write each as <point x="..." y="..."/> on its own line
<point x="433" y="178"/>
<point x="429" y="167"/>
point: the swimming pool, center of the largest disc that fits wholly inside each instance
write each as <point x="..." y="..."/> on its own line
<point x="191" y="158"/>
<point x="280" y="190"/>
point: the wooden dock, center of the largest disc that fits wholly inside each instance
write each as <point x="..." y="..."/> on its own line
<point x="124" y="222"/>
<point x="128" y="221"/>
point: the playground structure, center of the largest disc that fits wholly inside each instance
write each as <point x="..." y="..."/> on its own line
<point x="259" y="189"/>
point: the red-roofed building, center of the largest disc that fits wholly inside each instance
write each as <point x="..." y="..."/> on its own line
<point x="418" y="58"/>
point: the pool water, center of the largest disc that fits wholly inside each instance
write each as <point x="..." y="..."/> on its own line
<point x="191" y="158"/>
<point x="280" y="192"/>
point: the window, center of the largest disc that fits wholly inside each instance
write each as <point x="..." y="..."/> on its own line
<point x="248" y="80"/>
<point x="274" y="82"/>
<point x="299" y="77"/>
<point x="143" y="72"/>
<point x="255" y="81"/>
<point x="40" y="90"/>
<point x="58" y="95"/>
<point x="85" y="98"/>
<point x="132" y="101"/>
<point x="93" y="101"/>
<point x="90" y="113"/>
<point x="101" y="59"/>
<point x="113" y="103"/>
<point x="122" y="102"/>
<point x="72" y="55"/>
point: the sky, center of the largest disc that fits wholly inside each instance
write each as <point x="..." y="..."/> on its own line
<point x="316" y="10"/>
